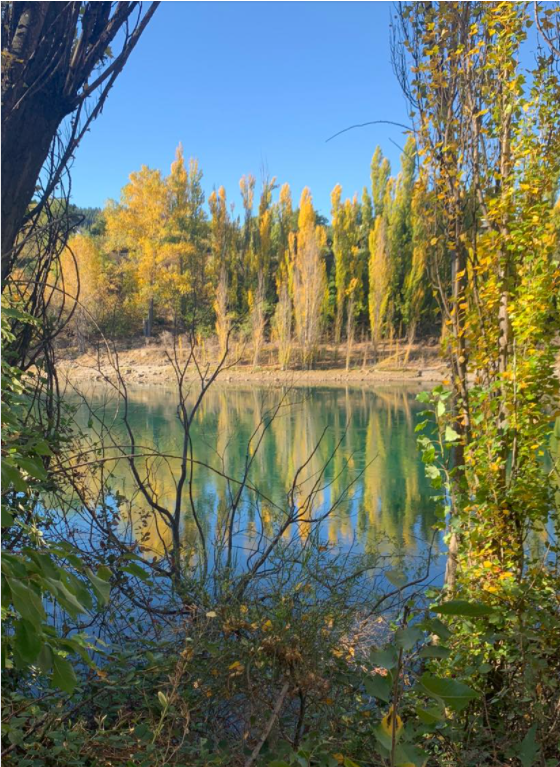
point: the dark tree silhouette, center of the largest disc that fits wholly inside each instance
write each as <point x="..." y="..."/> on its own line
<point x="57" y="70"/>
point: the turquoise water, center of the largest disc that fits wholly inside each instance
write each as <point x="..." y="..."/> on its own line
<point x="345" y="458"/>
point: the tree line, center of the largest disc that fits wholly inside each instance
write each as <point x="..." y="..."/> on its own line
<point x="275" y="270"/>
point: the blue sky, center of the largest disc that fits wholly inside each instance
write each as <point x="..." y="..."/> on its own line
<point x="246" y="86"/>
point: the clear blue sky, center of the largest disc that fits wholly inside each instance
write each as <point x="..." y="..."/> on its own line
<point x="247" y="85"/>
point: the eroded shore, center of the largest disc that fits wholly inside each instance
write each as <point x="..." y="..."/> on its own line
<point x="152" y="365"/>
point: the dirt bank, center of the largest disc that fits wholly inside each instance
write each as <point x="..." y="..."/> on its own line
<point x="150" y="364"/>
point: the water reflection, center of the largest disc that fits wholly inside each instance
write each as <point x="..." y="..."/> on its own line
<point x="355" y="448"/>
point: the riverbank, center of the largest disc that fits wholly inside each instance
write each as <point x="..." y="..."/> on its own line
<point x="149" y="364"/>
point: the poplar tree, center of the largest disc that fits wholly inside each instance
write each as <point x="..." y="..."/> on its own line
<point x="222" y="246"/>
<point x="380" y="175"/>
<point x="137" y="226"/>
<point x="308" y="279"/>
<point x="283" y="315"/>
<point x="379" y="280"/>
<point x="400" y="229"/>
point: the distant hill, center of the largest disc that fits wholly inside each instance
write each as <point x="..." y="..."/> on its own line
<point x="86" y="219"/>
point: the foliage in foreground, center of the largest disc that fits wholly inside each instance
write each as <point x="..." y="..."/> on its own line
<point x="291" y="669"/>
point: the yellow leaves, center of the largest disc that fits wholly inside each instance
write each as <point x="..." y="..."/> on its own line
<point x="236" y="668"/>
<point x="187" y="653"/>
<point x="336" y="195"/>
<point x="267" y="625"/>
<point x="306" y="219"/>
<point x="391" y="720"/>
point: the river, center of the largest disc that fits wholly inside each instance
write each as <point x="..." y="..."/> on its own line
<point x="357" y="447"/>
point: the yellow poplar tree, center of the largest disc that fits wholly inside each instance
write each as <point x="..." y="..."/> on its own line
<point x="309" y="282"/>
<point x="138" y="226"/>
<point x="283" y="316"/>
<point x="379" y="279"/>
<point x="85" y="285"/>
<point x="221" y="244"/>
<point x="186" y="242"/>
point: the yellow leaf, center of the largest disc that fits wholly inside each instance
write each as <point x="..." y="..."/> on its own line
<point x="387" y="723"/>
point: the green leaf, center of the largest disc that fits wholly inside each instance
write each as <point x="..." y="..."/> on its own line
<point x="7" y="519"/>
<point x="432" y="472"/>
<point x="133" y="569"/>
<point x="386" y="658"/>
<point x="26" y="602"/>
<point x="451" y="435"/>
<point x="407" y="638"/>
<point x="529" y="749"/>
<point x="383" y="738"/>
<point x="12" y="476"/>
<point x="67" y="600"/>
<point x="455" y="694"/>
<point x="45" y="659"/>
<point x="437" y="627"/>
<point x="462" y="607"/>
<point x="33" y="466"/>
<point x="406" y="753"/>
<point x="378" y="687"/>
<point x="435" y="651"/>
<point x="104" y="572"/>
<point x="63" y="676"/>
<point x="45" y="564"/>
<point x="28" y="641"/>
<point x="101" y="586"/>
<point x="430" y="715"/>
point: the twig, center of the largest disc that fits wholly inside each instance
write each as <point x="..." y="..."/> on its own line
<point x="370" y="122"/>
<point x="270" y="724"/>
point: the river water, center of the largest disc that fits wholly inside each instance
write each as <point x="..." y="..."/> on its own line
<point x="353" y="449"/>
